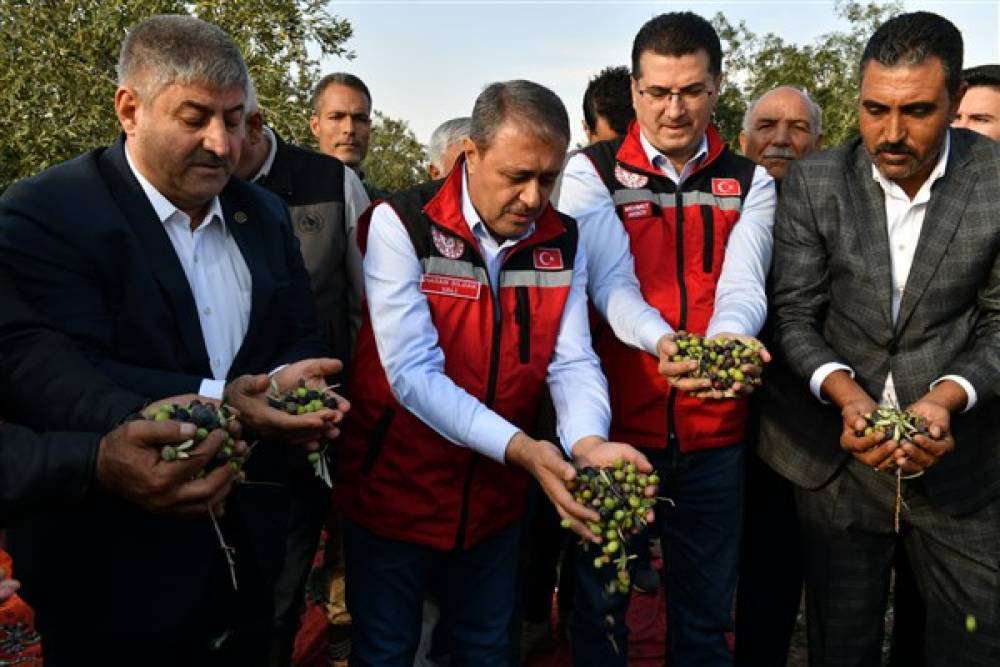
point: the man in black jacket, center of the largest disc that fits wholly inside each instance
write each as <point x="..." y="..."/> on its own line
<point x="173" y="279"/>
<point x="325" y="199"/>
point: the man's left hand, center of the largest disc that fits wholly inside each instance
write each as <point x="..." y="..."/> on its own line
<point x="924" y="451"/>
<point x="248" y="394"/>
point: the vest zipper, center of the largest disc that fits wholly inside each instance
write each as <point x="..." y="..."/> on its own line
<point x="522" y="315"/>
<point x="708" y="238"/>
<point x="682" y="315"/>
<point x="491" y="390"/>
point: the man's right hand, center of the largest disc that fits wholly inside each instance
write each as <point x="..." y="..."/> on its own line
<point x="129" y="465"/>
<point x="872" y="450"/>
<point x="543" y="461"/>
<point x="675" y="372"/>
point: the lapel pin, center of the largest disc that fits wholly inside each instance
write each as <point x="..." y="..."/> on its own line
<point x="240" y="217"/>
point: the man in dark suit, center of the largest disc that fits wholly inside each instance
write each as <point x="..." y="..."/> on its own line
<point x="887" y="290"/>
<point x="325" y="199"/>
<point x="173" y="279"/>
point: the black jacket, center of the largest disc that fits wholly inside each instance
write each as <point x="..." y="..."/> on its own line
<point x="86" y="247"/>
<point x="45" y="383"/>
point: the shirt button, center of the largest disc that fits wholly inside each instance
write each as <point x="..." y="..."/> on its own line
<point x="207" y="312"/>
<point x="902" y="247"/>
<point x="215" y="362"/>
<point x="196" y="259"/>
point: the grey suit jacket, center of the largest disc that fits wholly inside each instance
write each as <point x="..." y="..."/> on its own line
<point x="831" y="302"/>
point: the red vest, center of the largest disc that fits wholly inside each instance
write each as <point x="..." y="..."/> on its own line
<point x="678" y="237"/>
<point x="397" y="476"/>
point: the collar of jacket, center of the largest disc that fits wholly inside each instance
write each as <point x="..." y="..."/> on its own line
<point x="631" y="153"/>
<point x="445" y="209"/>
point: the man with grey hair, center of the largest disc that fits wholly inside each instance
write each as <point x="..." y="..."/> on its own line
<point x="781" y="125"/>
<point x="325" y="200"/>
<point x="446" y="145"/>
<point x="476" y="291"/>
<point x="173" y="279"/>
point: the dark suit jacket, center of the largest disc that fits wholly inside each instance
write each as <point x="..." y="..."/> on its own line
<point x="46" y="384"/>
<point x="831" y="302"/>
<point x="85" y="245"/>
<point x="312" y="185"/>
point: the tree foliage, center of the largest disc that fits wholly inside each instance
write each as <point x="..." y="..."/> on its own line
<point x="827" y="69"/>
<point x="395" y="159"/>
<point x="58" y="57"/>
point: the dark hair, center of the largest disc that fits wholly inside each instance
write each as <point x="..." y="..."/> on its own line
<point x="609" y="96"/>
<point x="909" y="39"/>
<point x="532" y="102"/>
<point x="984" y="75"/>
<point x="343" y="79"/>
<point x="678" y="34"/>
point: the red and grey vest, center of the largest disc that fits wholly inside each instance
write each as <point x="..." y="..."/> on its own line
<point x="396" y="475"/>
<point x="678" y="237"/>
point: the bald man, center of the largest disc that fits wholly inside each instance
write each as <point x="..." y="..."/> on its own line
<point x="781" y="125"/>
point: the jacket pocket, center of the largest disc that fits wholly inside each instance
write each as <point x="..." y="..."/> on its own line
<point x="522" y="315"/>
<point x="376" y="439"/>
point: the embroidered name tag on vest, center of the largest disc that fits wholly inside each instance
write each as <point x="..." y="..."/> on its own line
<point x="636" y="210"/>
<point x="463" y="288"/>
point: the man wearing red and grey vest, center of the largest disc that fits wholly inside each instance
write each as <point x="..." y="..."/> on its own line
<point x="475" y="299"/>
<point x="677" y="231"/>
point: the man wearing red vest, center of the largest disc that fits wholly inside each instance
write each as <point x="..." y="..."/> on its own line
<point x="476" y="298"/>
<point x="671" y="206"/>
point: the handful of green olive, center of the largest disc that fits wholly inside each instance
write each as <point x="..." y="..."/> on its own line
<point x="623" y="497"/>
<point x="300" y="401"/>
<point x="207" y="418"/>
<point x="720" y="360"/>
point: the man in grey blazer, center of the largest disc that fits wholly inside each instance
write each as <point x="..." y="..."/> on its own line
<point x="887" y="290"/>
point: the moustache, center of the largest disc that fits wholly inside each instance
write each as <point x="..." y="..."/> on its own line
<point x="896" y="147"/>
<point x="206" y="159"/>
<point x="779" y="153"/>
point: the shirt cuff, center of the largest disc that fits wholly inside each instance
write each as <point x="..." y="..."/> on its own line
<point x="212" y="389"/>
<point x="970" y="392"/>
<point x="820" y="374"/>
<point x="650" y="333"/>
<point x="489" y="434"/>
<point x="730" y="325"/>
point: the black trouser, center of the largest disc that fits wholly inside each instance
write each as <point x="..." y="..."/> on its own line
<point x="770" y="585"/>
<point x="226" y="629"/>
<point x="849" y="543"/>
<point x="309" y="508"/>
<point x="547" y="545"/>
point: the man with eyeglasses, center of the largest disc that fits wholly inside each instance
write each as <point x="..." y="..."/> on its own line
<point x="677" y="231"/>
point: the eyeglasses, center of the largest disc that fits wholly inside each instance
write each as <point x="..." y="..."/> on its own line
<point x="688" y="96"/>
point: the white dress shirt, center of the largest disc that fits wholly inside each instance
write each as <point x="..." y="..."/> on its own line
<point x="740" y="300"/>
<point x="355" y="202"/>
<point x="414" y="362"/>
<point x="217" y="274"/>
<point x="905" y="219"/>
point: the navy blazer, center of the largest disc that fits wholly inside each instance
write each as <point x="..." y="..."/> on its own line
<point x="85" y="246"/>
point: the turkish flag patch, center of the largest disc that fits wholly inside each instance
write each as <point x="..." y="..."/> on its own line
<point x="548" y="259"/>
<point x="726" y="187"/>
